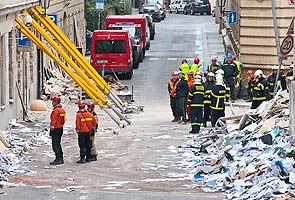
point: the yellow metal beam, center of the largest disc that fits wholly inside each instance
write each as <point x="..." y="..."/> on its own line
<point x="68" y="45"/>
<point x="22" y="27"/>
<point x="92" y="86"/>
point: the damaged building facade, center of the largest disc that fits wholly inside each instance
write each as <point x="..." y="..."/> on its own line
<point x="22" y="65"/>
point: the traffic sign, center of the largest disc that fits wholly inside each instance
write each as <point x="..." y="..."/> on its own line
<point x="99" y="5"/>
<point x="23" y="41"/>
<point x="232" y="17"/>
<point x="287" y="45"/>
<point x="53" y="17"/>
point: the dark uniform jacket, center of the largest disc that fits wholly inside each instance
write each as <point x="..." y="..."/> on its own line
<point x="208" y="89"/>
<point x="182" y="88"/>
<point x="230" y="70"/>
<point x="196" y="96"/>
<point x="271" y="79"/>
<point x="218" y="97"/>
<point x="260" y="90"/>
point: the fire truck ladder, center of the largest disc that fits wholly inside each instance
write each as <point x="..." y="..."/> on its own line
<point x="80" y="69"/>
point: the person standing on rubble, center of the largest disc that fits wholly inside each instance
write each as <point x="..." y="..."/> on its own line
<point x="93" y="154"/>
<point x="260" y="89"/>
<point x="290" y="72"/>
<point x="208" y="86"/>
<point x="238" y="80"/>
<point x="85" y="124"/>
<point x="57" y="121"/>
<point x="230" y="73"/>
<point x="217" y="100"/>
<point x="181" y="94"/>
<point x="172" y="93"/>
<point x="227" y="88"/>
<point x="196" y="104"/>
<point x="251" y="81"/>
<point x="184" y="67"/>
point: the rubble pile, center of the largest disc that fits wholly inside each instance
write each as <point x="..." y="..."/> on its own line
<point x="251" y="158"/>
<point x="20" y="140"/>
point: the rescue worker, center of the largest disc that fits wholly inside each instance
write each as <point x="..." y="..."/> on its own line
<point x="172" y="93"/>
<point x="208" y="86"/>
<point x="260" y="89"/>
<point x="230" y="73"/>
<point x="251" y="81"/>
<point x="238" y="80"/>
<point x="271" y="79"/>
<point x="190" y="83"/>
<point x="213" y="67"/>
<point x="57" y="121"/>
<point x="290" y="72"/>
<point x="85" y="124"/>
<point x="195" y="67"/>
<point x="181" y="94"/>
<point x="93" y="154"/>
<point x="227" y="88"/>
<point x="184" y="67"/>
<point x="196" y="104"/>
<point x="217" y="100"/>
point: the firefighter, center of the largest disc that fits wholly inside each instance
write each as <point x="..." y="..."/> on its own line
<point x="213" y="67"/>
<point x="251" y="81"/>
<point x="85" y="124"/>
<point x="217" y="100"/>
<point x="93" y="154"/>
<point x="181" y="94"/>
<point x="260" y="89"/>
<point x="172" y="93"/>
<point x="230" y="74"/>
<point x="57" y="121"/>
<point x="238" y="80"/>
<point x="271" y="79"/>
<point x="195" y="67"/>
<point x="190" y="83"/>
<point x="227" y="88"/>
<point x="184" y="67"/>
<point x="208" y="85"/>
<point x="290" y="72"/>
<point x="196" y="104"/>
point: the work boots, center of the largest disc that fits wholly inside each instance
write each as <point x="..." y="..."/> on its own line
<point x="93" y="158"/>
<point x="57" y="162"/>
<point x="81" y="161"/>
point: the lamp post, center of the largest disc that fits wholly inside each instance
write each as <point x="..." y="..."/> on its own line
<point x="44" y="4"/>
<point x="221" y="5"/>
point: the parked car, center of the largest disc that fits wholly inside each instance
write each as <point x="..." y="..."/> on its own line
<point x="151" y="25"/>
<point x="152" y="10"/>
<point x="161" y="4"/>
<point x="198" y="6"/>
<point x="177" y="6"/>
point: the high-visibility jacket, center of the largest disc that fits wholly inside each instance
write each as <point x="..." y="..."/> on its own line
<point x="260" y="90"/>
<point x="195" y="68"/>
<point x="85" y="121"/>
<point x="208" y="85"/>
<point x="218" y="97"/>
<point x="57" y="117"/>
<point x="230" y="70"/>
<point x="184" y="68"/>
<point x="196" y="96"/>
<point x="172" y="87"/>
<point x="190" y="83"/>
<point x="238" y="64"/>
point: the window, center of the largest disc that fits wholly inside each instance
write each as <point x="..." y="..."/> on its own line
<point x="110" y="46"/>
<point x="11" y="45"/>
<point x="3" y="71"/>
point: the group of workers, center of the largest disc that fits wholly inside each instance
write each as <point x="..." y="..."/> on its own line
<point x="86" y="126"/>
<point x="196" y="95"/>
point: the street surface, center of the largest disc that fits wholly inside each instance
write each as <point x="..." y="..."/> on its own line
<point x="139" y="161"/>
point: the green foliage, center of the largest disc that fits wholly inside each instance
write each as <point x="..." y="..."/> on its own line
<point x="92" y="18"/>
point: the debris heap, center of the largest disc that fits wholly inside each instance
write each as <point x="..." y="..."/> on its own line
<point x="250" y="158"/>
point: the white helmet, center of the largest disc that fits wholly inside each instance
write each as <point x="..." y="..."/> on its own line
<point x="198" y="79"/>
<point x="219" y="78"/>
<point x="259" y="73"/>
<point x="210" y="74"/>
<point x="220" y="71"/>
<point x="282" y="67"/>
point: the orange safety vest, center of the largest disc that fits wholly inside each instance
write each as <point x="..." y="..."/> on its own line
<point x="173" y="86"/>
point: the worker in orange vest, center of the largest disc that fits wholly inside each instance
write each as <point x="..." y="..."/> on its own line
<point x="172" y="84"/>
<point x="57" y="121"/>
<point x="85" y="124"/>
<point x="190" y="83"/>
<point x="93" y="154"/>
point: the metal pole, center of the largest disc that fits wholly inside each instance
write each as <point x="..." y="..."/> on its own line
<point x="277" y="37"/>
